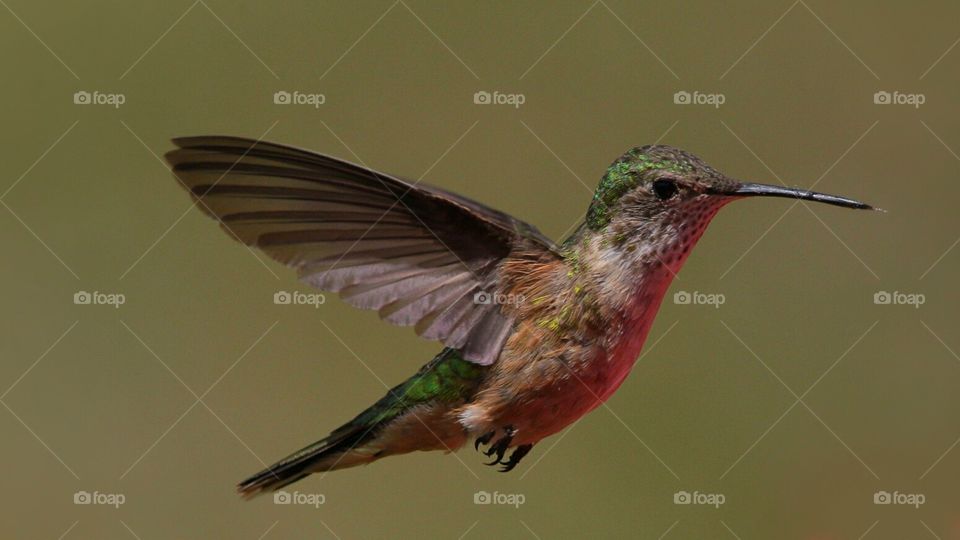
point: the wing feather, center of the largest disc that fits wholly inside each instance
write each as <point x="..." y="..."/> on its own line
<point x="416" y="253"/>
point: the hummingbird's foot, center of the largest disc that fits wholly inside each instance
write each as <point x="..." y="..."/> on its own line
<point x="483" y="439"/>
<point x="515" y="457"/>
<point x="498" y="448"/>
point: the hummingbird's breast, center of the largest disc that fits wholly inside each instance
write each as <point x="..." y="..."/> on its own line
<point x="574" y="344"/>
<point x="540" y="391"/>
<point x="556" y="368"/>
<point x="584" y="323"/>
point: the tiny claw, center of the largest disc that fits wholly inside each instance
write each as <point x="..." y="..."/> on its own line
<point x="515" y="457"/>
<point x="500" y="447"/>
<point x="483" y="439"/>
<point x="497" y="449"/>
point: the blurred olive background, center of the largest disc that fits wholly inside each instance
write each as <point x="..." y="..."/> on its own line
<point x="798" y="399"/>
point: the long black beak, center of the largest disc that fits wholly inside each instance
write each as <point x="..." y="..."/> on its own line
<point x="747" y="189"/>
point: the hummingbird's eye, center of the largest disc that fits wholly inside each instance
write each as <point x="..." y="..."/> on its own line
<point x="664" y="189"/>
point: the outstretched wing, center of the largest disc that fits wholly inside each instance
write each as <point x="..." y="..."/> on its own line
<point x="415" y="253"/>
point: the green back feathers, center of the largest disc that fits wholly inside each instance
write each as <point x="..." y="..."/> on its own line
<point x="444" y="378"/>
<point x="448" y="378"/>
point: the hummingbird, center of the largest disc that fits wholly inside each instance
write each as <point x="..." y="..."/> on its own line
<point x="535" y="333"/>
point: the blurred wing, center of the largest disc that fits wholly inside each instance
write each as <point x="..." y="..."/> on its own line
<point x="415" y="253"/>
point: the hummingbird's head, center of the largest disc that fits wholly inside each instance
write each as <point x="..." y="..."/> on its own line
<point x="664" y="198"/>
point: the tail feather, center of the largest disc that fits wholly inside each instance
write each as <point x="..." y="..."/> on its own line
<point x="441" y="384"/>
<point x="330" y="453"/>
